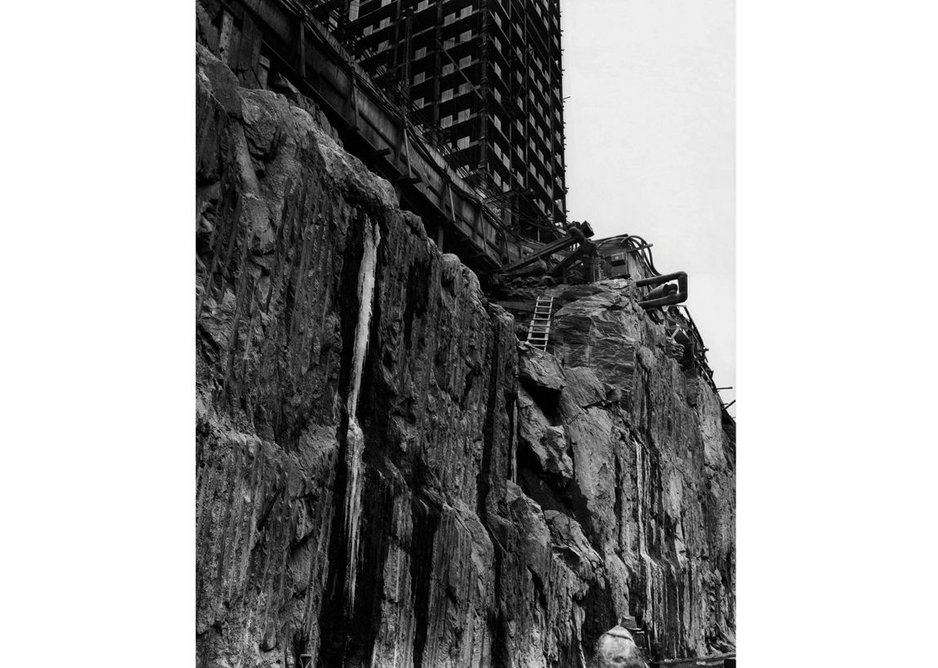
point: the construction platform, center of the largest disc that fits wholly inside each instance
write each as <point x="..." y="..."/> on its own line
<point x="262" y="40"/>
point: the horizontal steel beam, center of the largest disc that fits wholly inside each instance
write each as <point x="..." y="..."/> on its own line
<point x="375" y="128"/>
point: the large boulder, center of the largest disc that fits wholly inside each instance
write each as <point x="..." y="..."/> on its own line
<point x="539" y="369"/>
<point x="582" y="389"/>
<point x="617" y="649"/>
<point x="600" y="331"/>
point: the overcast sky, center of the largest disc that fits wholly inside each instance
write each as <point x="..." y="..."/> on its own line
<point x="650" y="128"/>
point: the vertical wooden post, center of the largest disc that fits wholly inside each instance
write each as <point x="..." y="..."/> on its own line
<point x="506" y="256"/>
<point x="302" y="48"/>
<point x="263" y="70"/>
<point x="408" y="34"/>
<point x="353" y="99"/>
<point x="437" y="62"/>
<point x="477" y="228"/>
<point x="410" y="172"/>
<point x="484" y="108"/>
<point x="452" y="206"/>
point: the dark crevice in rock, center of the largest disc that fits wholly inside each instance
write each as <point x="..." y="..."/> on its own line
<point x="619" y="507"/>
<point x="332" y="622"/>
<point x="336" y="627"/>
<point x="547" y="400"/>
<point x="600" y="615"/>
<point x="265" y="513"/>
<point x="377" y="520"/>
<point x="415" y="305"/>
<point x="496" y="621"/>
<point x="484" y="477"/>
<point x="426" y="522"/>
<point x="548" y="490"/>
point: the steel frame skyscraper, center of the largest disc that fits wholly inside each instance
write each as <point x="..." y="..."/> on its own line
<point x="486" y="76"/>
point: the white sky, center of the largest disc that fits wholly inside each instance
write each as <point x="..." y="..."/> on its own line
<point x="650" y="128"/>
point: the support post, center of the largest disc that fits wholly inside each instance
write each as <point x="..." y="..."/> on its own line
<point x="302" y="48"/>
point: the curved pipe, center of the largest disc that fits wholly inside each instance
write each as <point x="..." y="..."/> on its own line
<point x="672" y="298"/>
<point x="576" y="233"/>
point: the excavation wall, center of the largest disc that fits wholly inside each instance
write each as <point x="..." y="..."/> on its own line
<point x="385" y="476"/>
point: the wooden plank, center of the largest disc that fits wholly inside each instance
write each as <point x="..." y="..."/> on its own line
<point x="302" y="48"/>
<point x="245" y="54"/>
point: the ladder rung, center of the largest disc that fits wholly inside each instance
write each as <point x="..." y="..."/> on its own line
<point x="539" y="327"/>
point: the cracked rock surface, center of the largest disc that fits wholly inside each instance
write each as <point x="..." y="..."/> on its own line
<point x="515" y="504"/>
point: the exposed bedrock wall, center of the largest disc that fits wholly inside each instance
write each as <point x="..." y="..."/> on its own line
<point x="451" y="563"/>
<point x="633" y="449"/>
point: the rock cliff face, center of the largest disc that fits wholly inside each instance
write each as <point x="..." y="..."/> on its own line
<point x="385" y="476"/>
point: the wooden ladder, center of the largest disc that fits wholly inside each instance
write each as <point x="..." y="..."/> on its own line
<point x="539" y="329"/>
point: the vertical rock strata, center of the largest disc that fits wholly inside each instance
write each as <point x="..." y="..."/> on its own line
<point x="493" y="521"/>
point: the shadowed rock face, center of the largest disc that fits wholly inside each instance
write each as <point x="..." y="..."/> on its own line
<point x="498" y="523"/>
<point x="653" y="484"/>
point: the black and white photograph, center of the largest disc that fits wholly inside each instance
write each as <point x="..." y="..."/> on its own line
<point x="456" y="404"/>
<point x="447" y="374"/>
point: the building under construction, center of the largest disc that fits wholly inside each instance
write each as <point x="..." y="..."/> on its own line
<point x="487" y="179"/>
<point x="485" y="77"/>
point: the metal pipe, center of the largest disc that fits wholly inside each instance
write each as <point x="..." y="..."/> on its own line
<point x="673" y="298"/>
<point x="576" y="233"/>
<point x="585" y="248"/>
<point x="661" y="291"/>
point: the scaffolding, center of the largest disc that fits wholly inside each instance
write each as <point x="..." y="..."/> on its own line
<point x="481" y="81"/>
